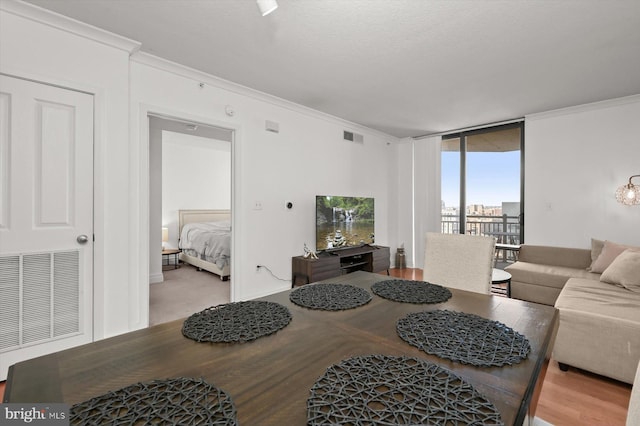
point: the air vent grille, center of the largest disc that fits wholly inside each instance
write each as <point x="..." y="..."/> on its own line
<point x="353" y="137"/>
<point x="40" y="297"/>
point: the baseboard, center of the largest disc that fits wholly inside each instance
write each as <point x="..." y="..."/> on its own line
<point x="156" y="278"/>
<point x="537" y="421"/>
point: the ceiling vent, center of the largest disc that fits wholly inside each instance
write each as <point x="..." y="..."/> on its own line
<point x="353" y="137"/>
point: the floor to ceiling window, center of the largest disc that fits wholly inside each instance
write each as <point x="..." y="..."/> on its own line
<point x="483" y="182"/>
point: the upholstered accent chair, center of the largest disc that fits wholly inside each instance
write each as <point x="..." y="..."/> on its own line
<point x="459" y="261"/>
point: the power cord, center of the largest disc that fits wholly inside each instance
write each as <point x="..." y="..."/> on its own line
<point x="272" y="274"/>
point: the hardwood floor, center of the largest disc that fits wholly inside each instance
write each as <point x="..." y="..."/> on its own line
<point x="568" y="398"/>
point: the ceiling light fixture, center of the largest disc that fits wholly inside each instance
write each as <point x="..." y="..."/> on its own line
<point x="629" y="194"/>
<point x="267" y="6"/>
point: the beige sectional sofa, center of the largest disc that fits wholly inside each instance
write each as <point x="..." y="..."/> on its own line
<point x="542" y="271"/>
<point x="599" y="327"/>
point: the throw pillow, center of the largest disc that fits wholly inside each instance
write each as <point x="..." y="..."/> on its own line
<point x="624" y="271"/>
<point x="609" y="252"/>
<point x="596" y="248"/>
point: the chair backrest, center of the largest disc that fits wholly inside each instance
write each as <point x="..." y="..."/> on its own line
<point x="633" y="415"/>
<point x="459" y="261"/>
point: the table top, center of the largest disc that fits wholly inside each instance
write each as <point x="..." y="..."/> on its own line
<point x="170" y="251"/>
<point x="499" y="276"/>
<point x="269" y="378"/>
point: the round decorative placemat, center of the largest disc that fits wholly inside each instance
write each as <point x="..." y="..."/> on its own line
<point x="408" y="291"/>
<point x="180" y="401"/>
<point x="236" y="322"/>
<point x="387" y="390"/>
<point x="465" y="338"/>
<point x="330" y="297"/>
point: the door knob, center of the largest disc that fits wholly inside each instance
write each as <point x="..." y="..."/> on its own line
<point x="82" y="239"/>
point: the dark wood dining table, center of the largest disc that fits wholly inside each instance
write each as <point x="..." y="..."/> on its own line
<point x="270" y="378"/>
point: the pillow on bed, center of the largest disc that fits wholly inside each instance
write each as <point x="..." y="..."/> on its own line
<point x="624" y="270"/>
<point x="609" y="252"/>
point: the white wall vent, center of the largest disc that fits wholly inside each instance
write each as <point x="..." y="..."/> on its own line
<point x="353" y="137"/>
<point x="40" y="298"/>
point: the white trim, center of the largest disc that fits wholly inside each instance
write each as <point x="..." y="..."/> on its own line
<point x="593" y="106"/>
<point x="156" y="278"/>
<point x="64" y="23"/>
<point x="99" y="118"/>
<point x="220" y="83"/>
<point x="141" y="305"/>
<point x="468" y="129"/>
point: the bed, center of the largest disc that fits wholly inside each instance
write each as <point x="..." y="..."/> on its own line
<point x="205" y="240"/>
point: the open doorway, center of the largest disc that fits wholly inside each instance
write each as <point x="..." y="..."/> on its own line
<point x="190" y="171"/>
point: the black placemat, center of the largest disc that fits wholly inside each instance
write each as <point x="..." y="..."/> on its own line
<point x="387" y="390"/>
<point x="236" y="322"/>
<point x="330" y="297"/>
<point x="409" y="291"/>
<point x="180" y="401"/>
<point x="465" y="338"/>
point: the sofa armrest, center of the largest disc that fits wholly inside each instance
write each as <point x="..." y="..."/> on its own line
<point x="555" y="256"/>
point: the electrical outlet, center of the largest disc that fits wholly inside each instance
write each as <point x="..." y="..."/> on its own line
<point x="257" y="205"/>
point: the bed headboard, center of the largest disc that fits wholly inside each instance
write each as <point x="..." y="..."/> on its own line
<point x="191" y="216"/>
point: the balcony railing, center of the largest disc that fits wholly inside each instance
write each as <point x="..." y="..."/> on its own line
<point x="505" y="228"/>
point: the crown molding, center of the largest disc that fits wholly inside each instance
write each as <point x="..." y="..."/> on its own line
<point x="220" y="83"/>
<point x="609" y="103"/>
<point x="72" y="26"/>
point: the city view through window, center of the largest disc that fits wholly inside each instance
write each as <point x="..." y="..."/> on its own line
<point x="490" y="183"/>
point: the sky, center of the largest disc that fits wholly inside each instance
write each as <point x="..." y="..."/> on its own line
<point x="492" y="177"/>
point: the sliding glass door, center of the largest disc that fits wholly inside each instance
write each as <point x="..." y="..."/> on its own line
<point x="482" y="182"/>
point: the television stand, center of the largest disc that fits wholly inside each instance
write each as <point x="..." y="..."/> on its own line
<point x="334" y="263"/>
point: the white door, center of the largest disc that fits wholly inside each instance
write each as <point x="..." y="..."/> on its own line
<point x="46" y="220"/>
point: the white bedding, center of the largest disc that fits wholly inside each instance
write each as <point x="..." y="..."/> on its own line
<point x="210" y="241"/>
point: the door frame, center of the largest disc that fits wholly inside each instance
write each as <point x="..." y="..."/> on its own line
<point x="99" y="136"/>
<point x="94" y="282"/>
<point x="139" y="302"/>
<point x="463" y="177"/>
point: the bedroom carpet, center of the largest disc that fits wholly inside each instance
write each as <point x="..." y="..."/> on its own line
<point x="183" y="292"/>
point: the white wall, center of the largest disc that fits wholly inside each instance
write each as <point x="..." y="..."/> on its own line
<point x="196" y="174"/>
<point x="589" y="150"/>
<point x="401" y="201"/>
<point x="575" y="158"/>
<point x="308" y="157"/>
<point x="427" y="211"/>
<point x="71" y="59"/>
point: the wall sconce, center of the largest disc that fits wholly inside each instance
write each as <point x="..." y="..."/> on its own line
<point x="267" y="6"/>
<point x="165" y="236"/>
<point x="629" y="194"/>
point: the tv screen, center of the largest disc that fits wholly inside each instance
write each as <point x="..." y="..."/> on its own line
<point x="343" y="222"/>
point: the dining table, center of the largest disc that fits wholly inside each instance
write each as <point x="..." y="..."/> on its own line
<point x="269" y="378"/>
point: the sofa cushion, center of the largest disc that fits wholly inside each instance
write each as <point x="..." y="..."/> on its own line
<point x="607" y="255"/>
<point x="599" y="328"/>
<point x="557" y="256"/>
<point x="596" y="248"/>
<point x="624" y="271"/>
<point x="600" y="299"/>
<point x="546" y="275"/>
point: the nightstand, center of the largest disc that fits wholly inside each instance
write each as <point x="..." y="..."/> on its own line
<point x="167" y="253"/>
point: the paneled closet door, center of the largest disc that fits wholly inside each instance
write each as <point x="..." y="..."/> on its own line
<point x="46" y="220"/>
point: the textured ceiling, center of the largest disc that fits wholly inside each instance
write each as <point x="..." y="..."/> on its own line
<point x="404" y="67"/>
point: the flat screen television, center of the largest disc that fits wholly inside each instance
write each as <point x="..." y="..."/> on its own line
<point x="343" y="222"/>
